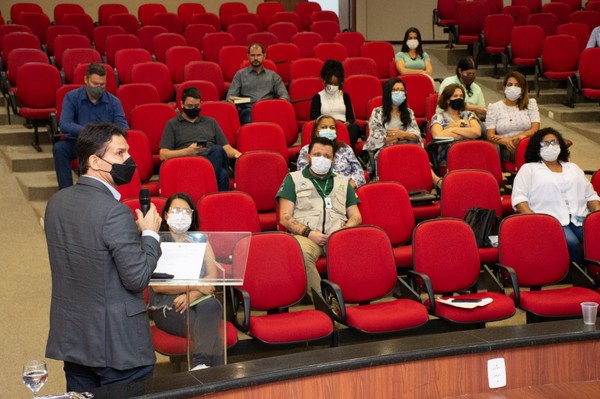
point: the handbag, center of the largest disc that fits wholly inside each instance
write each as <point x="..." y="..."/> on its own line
<point x="422" y="197"/>
<point x="481" y="221"/>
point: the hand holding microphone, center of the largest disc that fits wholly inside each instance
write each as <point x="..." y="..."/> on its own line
<point x="147" y="216"/>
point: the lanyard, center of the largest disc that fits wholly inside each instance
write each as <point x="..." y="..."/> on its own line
<point x="322" y="190"/>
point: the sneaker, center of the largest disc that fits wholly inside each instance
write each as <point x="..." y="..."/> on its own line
<point x="199" y="367"/>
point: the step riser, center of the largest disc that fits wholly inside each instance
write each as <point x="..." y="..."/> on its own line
<point x="571" y="117"/>
<point x="31" y="165"/>
<point x="38" y="193"/>
<point x="24" y="137"/>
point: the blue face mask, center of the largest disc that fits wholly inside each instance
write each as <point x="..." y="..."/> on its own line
<point x="398" y="97"/>
<point x="328" y="134"/>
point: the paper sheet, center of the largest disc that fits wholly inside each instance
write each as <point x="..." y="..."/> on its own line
<point x="465" y="305"/>
<point x="184" y="260"/>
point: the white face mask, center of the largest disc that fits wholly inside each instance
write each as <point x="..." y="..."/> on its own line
<point x="179" y="222"/>
<point x="320" y="165"/>
<point x="328" y="134"/>
<point x="332" y="89"/>
<point x="550" y="153"/>
<point x="412" y="43"/>
<point x="512" y="92"/>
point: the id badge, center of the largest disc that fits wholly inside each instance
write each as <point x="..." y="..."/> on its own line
<point x="328" y="203"/>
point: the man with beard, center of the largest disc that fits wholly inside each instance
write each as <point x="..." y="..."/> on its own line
<point x="90" y="103"/>
<point x="255" y="83"/>
<point x="466" y="72"/>
<point x="315" y="202"/>
<point x="191" y="134"/>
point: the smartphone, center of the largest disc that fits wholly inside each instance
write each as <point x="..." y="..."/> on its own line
<point x="201" y="143"/>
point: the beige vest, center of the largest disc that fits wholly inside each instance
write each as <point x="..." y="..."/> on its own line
<point x="310" y="208"/>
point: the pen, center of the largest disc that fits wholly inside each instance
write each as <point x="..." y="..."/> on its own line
<point x="161" y="276"/>
<point x="466" y="300"/>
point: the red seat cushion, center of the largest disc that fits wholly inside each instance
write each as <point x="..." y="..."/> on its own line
<point x="557" y="302"/>
<point x="403" y="256"/>
<point x="268" y="221"/>
<point x="591" y="93"/>
<point x="387" y="316"/>
<point x="291" y="327"/>
<point x="501" y="308"/>
<point x="423" y="212"/>
<point x="168" y="344"/>
<point x="563" y="75"/>
<point x="322" y="265"/>
<point x="488" y="255"/>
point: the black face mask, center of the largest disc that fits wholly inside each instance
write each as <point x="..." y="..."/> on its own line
<point x="457" y="104"/>
<point x="467" y="80"/>
<point x="192" y="113"/>
<point x="122" y="173"/>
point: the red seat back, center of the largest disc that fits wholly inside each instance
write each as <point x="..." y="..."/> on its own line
<point x="280" y="112"/>
<point x="260" y="174"/>
<point x="146" y="12"/>
<point x="106" y="10"/>
<point x="192" y="175"/>
<point x="127" y="21"/>
<point x="186" y="12"/>
<point x="407" y="164"/>
<point x="228" y="211"/>
<point x="353" y="41"/>
<point x="463" y="189"/>
<point x="226" y="115"/>
<point x="263" y="136"/>
<point x="228" y="9"/>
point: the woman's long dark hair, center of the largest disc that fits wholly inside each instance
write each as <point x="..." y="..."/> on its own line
<point x="386" y="103"/>
<point x="532" y="152"/>
<point x="194" y="226"/>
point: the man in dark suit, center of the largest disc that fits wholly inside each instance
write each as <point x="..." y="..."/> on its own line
<point x="100" y="267"/>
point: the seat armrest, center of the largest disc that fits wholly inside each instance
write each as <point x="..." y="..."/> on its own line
<point x="332" y="293"/>
<point x="420" y="282"/>
<point x="241" y="299"/>
<point x="404" y="290"/>
<point x="505" y="274"/>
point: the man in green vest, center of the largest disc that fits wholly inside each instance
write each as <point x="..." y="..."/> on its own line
<point x="315" y="202"/>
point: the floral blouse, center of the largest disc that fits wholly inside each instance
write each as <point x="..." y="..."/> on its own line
<point x="345" y="163"/>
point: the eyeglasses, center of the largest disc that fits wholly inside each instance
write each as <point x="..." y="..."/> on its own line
<point x="545" y="144"/>
<point x="177" y="211"/>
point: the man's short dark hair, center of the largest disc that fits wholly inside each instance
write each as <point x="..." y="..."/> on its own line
<point x="93" y="140"/>
<point x="191" y="91"/>
<point x="322" y="141"/>
<point x="250" y="47"/>
<point x="95" y="68"/>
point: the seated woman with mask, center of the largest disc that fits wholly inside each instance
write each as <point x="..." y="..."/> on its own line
<point x="549" y="183"/>
<point x="333" y="101"/>
<point x="466" y="72"/>
<point x="345" y="162"/>
<point x="171" y="303"/>
<point x="411" y="59"/>
<point x="513" y="118"/>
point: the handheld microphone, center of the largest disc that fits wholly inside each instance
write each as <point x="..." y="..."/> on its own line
<point x="144" y="200"/>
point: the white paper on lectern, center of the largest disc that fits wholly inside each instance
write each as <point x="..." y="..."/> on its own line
<point x="184" y="260"/>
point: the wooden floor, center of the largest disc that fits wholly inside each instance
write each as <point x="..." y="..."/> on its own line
<point x="571" y="390"/>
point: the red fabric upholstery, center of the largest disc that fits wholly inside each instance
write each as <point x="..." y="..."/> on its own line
<point x="83" y="22"/>
<point x="526" y="43"/>
<point x="147" y="11"/>
<point x="212" y="43"/>
<point x="469" y="18"/>
<point x="361" y="89"/>
<point x="208" y="91"/>
<point x="164" y="41"/>
<point x="275" y="278"/>
<point x="194" y="34"/>
<point x="353" y="41"/>
<point x="264" y="38"/>
<point x="177" y="57"/>
<point x="158" y="75"/>
<point x="228" y="211"/>
<point x="101" y="33"/>
<point x="324" y="16"/>
<point x="37" y="22"/>
<point x="282" y="113"/>
<point x="305" y="68"/>
<point x="119" y="42"/>
<point x="106" y="10"/>
<point x="170" y="21"/>
<point x="65" y="8"/>
<point x="134" y="203"/>
<point x="207" y="18"/>
<point x="289" y="17"/>
<point x="519" y="13"/>
<point x="547" y="21"/>
<point x="204" y="70"/>
<point x="418" y="88"/>
<point x="18" y="8"/>
<point x="330" y="50"/>
<point x="230" y="61"/>
<point x="63" y="42"/>
<point x="37" y="86"/>
<point x="16" y="40"/>
<point x="226" y="115"/>
<point x="265" y="136"/>
<point x="590" y="18"/>
<point x="367" y="276"/>
<point x="383" y="55"/>
<point x="387" y="205"/>
<point x="560" y="56"/>
<point x="359" y="66"/>
<point x="127" y="21"/>
<point x="305" y="11"/>
<point x="186" y="12"/>
<point x="327" y="30"/>
<point x="282" y="54"/>
<point x="151" y="119"/>
<point x="73" y="57"/>
<point x="306" y="41"/>
<point x="140" y="151"/>
<point x="560" y="10"/>
<point x="111" y="79"/>
<point x="260" y="174"/>
<point x="267" y="10"/>
<point x="125" y="59"/>
<point x="52" y="33"/>
<point x="131" y="189"/>
<point x="446" y="10"/>
<point x="21" y="56"/>
<point x="577" y="29"/>
<point x="283" y="30"/>
<point x="591" y="246"/>
<point x="135" y="94"/>
<point x="445" y="250"/>
<point x="228" y="9"/>
<point x="588" y="71"/>
<point x="240" y="31"/>
<point x="147" y="33"/>
<point x="192" y="175"/>
<point x="248" y="18"/>
<point x="496" y="30"/>
<point x="534" y="6"/>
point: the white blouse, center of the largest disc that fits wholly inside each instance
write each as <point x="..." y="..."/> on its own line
<point x="333" y="104"/>
<point x="510" y="121"/>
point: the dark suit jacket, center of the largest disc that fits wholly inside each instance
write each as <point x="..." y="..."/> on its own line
<point x="100" y="267"/>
